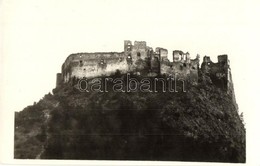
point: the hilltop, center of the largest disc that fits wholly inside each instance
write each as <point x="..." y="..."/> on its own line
<point x="201" y="124"/>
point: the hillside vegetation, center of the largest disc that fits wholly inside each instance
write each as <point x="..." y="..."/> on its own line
<point x="201" y="124"/>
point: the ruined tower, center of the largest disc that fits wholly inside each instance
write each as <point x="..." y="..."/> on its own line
<point x="220" y="72"/>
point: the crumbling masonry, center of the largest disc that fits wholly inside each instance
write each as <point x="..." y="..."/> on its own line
<point x="143" y="60"/>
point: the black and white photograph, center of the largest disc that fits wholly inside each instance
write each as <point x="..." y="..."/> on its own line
<point x="129" y="82"/>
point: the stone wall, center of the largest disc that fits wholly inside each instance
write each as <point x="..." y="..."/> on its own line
<point x="182" y="66"/>
<point x="142" y="59"/>
<point x="219" y="72"/>
<point x="93" y="64"/>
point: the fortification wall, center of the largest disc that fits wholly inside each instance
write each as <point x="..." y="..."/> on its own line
<point x="141" y="59"/>
<point x="163" y="53"/>
<point x="218" y="72"/>
<point x="96" y="70"/>
<point x="93" y="64"/>
<point x="139" y="50"/>
<point x="182" y="66"/>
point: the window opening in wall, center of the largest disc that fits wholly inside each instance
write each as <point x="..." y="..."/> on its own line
<point x="184" y="57"/>
<point x="81" y="63"/>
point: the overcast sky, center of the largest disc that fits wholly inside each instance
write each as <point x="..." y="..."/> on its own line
<point x="36" y="36"/>
<point x="40" y="34"/>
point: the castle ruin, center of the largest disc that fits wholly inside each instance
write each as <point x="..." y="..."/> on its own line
<point x="141" y="59"/>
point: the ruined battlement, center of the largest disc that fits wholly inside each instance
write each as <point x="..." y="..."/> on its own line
<point x="143" y="60"/>
<point x="219" y="72"/>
